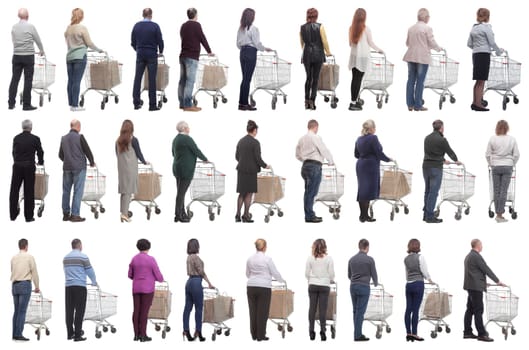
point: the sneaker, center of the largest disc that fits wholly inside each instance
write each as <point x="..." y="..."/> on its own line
<point x="192" y="109"/>
<point x="362" y="338"/>
<point x="355" y="107"/>
<point x="77" y="109"/>
<point x="76" y="218"/>
<point x="501" y="219"/>
<point x="11" y="106"/>
<point x="433" y="221"/>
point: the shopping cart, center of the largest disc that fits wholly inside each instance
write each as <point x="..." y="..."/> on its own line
<point x="441" y="75"/>
<point x="379" y="308"/>
<point x="43" y="77"/>
<point x="217" y="309"/>
<point x="211" y="77"/>
<point x="328" y="81"/>
<point x="457" y="186"/>
<point x="502" y="308"/>
<point x="436" y="305"/>
<point x="41" y="189"/>
<point x="102" y="74"/>
<point x="94" y="190"/>
<point x="38" y="312"/>
<point x="206" y="188"/>
<point x="331" y="189"/>
<point x="270" y="189"/>
<point x="99" y="307"/>
<point x="161" y="308"/>
<point x="271" y="74"/>
<point x="504" y="74"/>
<point x="162" y="80"/>
<point x="378" y="78"/>
<point x="511" y="195"/>
<point x="331" y="309"/>
<point x="281" y="306"/>
<point x="395" y="184"/>
<point x="149" y="188"/>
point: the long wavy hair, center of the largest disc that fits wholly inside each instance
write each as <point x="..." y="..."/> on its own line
<point x="125" y="135"/>
<point x="319" y="248"/>
<point x="358" y="26"/>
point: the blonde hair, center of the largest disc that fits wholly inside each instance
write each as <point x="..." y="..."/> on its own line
<point x="260" y="245"/>
<point x="77" y="16"/>
<point x="367" y="126"/>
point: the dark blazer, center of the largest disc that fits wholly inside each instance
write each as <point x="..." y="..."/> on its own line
<point x="476" y="272"/>
<point x="25" y="145"/>
<point x="248" y="154"/>
<point x="313" y="46"/>
<point x="185" y="154"/>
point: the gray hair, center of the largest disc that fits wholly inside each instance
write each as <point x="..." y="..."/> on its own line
<point x="181" y="126"/>
<point x="23" y="13"/>
<point x="367" y="126"/>
<point x="27" y="125"/>
<point x="423" y="14"/>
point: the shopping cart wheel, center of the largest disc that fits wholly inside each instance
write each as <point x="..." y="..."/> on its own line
<point x="436" y="213"/>
<point x="271" y="213"/>
<point x="397" y="210"/>
<point x="514" y="215"/>
<point x="441" y="100"/>
<point x="213" y="336"/>
<point x="439" y="329"/>
<point x="116" y="99"/>
<point x="218" y="211"/>
<point x="452" y="99"/>
<point x="448" y="330"/>
<point x="360" y="102"/>
<point x="326" y="99"/>
<point x="387" y="99"/>
<point x="41" y="100"/>
<point x="457" y="216"/>
<point x="280" y="328"/>
<point x="160" y="104"/>
<point x="224" y="100"/>
<point x="283" y="334"/>
<point x="113" y="330"/>
<point x="105" y="99"/>
<point x="379" y="104"/>
<point x="467" y="211"/>
<point x="331" y="210"/>
<point x="515" y="100"/>
<point x="212" y="217"/>
<point x="164" y="334"/>
<point x="164" y="99"/>
<point x="215" y="103"/>
<point x="102" y="105"/>
<point x="406" y="210"/>
<point x="219" y="331"/>
<point x="491" y="214"/>
<point x="334" y="105"/>
<point x="290" y="328"/>
<point x="40" y="210"/>
<point x="378" y="334"/>
<point x="267" y="219"/>
<point x="504" y="103"/>
<point x="336" y="216"/>
<point x="81" y="101"/>
<point x="274" y="102"/>
<point x="227" y="332"/>
<point x="513" y="331"/>
<point x="167" y="329"/>
<point x="280" y="213"/>
<point x="433" y="334"/>
<point x="333" y="332"/>
<point x="285" y="99"/>
<point x="190" y="213"/>
<point x="157" y="211"/>
<point x="484" y="103"/>
<point x="98" y="334"/>
<point x="96" y="215"/>
<point x="148" y="211"/>
<point x="49" y="97"/>
<point x="37" y="332"/>
<point x="129" y="214"/>
<point x="101" y="209"/>
<point x="388" y="329"/>
<point x="157" y="328"/>
<point x="105" y="329"/>
<point x="392" y="215"/>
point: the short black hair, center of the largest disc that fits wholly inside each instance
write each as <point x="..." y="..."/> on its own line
<point x="363" y="244"/>
<point x="437" y="124"/>
<point x="22" y="243"/>
<point x="147" y="12"/>
<point x="193" y="247"/>
<point x="143" y="245"/>
<point x="251" y="126"/>
<point x="191" y="12"/>
<point x="76" y="243"/>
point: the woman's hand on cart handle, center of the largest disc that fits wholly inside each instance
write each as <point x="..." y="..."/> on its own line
<point x="267" y="49"/>
<point x="210" y="286"/>
<point x="269" y="166"/>
<point x="431" y="282"/>
<point x="41" y="53"/>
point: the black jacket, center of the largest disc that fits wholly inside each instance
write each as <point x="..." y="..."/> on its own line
<point x="25" y="145"/>
<point x="313" y="46"/>
<point x="476" y="272"/>
<point x="248" y="154"/>
<point x="435" y="148"/>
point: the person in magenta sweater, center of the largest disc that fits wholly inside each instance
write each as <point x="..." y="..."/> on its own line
<point x="143" y="271"/>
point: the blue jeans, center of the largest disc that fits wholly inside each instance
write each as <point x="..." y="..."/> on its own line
<point x="501" y="179"/>
<point x="248" y="59"/>
<point x="75" y="69"/>
<point x="188" y="72"/>
<point x="360" y="298"/>
<point x="311" y="173"/>
<point x="414" y="294"/>
<point x="21" y="294"/>
<point x="432" y="183"/>
<point x="75" y="179"/>
<point x="415" y="86"/>
<point x="152" y="68"/>
<point x="194" y="296"/>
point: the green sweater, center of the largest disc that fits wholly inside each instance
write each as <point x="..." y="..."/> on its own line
<point x="185" y="154"/>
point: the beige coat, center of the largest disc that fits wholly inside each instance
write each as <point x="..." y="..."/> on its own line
<point x="420" y="41"/>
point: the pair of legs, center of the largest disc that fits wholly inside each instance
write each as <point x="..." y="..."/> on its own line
<point x="194" y="297"/>
<point x="75" y="179"/>
<point x="21" y="291"/>
<point x="432" y="183"/>
<point x="318" y="299"/>
<point x="364" y="210"/>
<point x="75" y="69"/>
<point x="26" y="64"/>
<point x="474" y="309"/>
<point x="182" y="186"/>
<point x="414" y="295"/>
<point x="151" y="63"/>
<point x="360" y="299"/>
<point x="248" y="59"/>
<point x="259" y="305"/>
<point x="188" y="70"/>
<point x="23" y="172"/>
<point x="311" y="174"/>
<point x="356" y="83"/>
<point x="75" y="297"/>
<point x="415" y="85"/>
<point x="124" y="203"/>
<point x="481" y="66"/>
<point x="142" y="304"/>
<point x="246" y="199"/>
<point x="312" y="69"/>
<point x="501" y="179"/>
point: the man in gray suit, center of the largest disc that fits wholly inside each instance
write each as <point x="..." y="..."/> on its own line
<point x="475" y="283"/>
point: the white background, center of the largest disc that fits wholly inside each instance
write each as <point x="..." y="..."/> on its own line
<point x="226" y="246"/>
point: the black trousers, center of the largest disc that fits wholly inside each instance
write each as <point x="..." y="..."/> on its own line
<point x="21" y="63"/>
<point x="311" y="83"/>
<point x="181" y="190"/>
<point x="259" y="306"/>
<point x="248" y="59"/>
<point x="356" y="83"/>
<point x="23" y="172"/>
<point x="475" y="309"/>
<point x="75" y="297"/>
<point x="318" y="298"/>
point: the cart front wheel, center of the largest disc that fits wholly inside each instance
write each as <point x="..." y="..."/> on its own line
<point x="326" y="98"/>
<point x="81" y="102"/>
<point x="280" y="328"/>
<point x="224" y="100"/>
<point x="491" y="214"/>
<point x="336" y="216"/>
<point x="290" y="328"/>
<point x="513" y="331"/>
<point x="467" y="211"/>
<point x="164" y="334"/>
<point x="215" y="103"/>
<point x="379" y="104"/>
<point x="102" y="105"/>
<point x="212" y="217"/>
<point x="195" y="102"/>
<point x="105" y="329"/>
<point x="515" y="100"/>
<point x="39" y="212"/>
<point x="37" y="332"/>
<point x="164" y="99"/>
<point x="274" y="102"/>
<point x="378" y="335"/>
<point x="334" y="105"/>
<point x="436" y="213"/>
<point x="157" y="328"/>
<point x="397" y="210"/>
<point x="448" y="330"/>
<point x="227" y="333"/>
<point x="214" y="336"/>
<point x="160" y="104"/>
<point x="433" y="334"/>
<point x="439" y="329"/>
<point x="457" y="216"/>
<point x="514" y="215"/>
<point x="280" y="213"/>
<point x="157" y="211"/>
<point x="333" y="332"/>
<point x="452" y="99"/>
<point x="388" y="329"/>
<point x="392" y="216"/>
<point x="113" y="330"/>
<point x="267" y="219"/>
<point x="101" y="209"/>
<point x="98" y="334"/>
<point x="41" y="100"/>
<point x="360" y="102"/>
<point x="190" y="214"/>
<point x="284" y="99"/>
<point x="283" y="334"/>
<point x="441" y="100"/>
<point x="96" y="215"/>
<point x="406" y="210"/>
<point x="116" y="99"/>
<point x="167" y="329"/>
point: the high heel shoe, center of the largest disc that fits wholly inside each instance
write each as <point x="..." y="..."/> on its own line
<point x="187" y="335"/>
<point x="323" y="336"/>
<point x="246" y="218"/>
<point x="312" y="335"/>
<point x="124" y="218"/>
<point x="199" y="336"/>
<point x="237" y="218"/>
<point x="410" y="338"/>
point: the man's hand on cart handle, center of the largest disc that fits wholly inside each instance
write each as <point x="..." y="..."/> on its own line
<point x="41" y="53"/>
<point x="211" y="54"/>
<point x="267" y="49"/>
<point x="37" y="290"/>
<point x="268" y="166"/>
<point x="210" y="286"/>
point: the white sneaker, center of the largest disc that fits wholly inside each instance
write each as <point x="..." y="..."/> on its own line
<point x="501" y="220"/>
<point x="77" y="109"/>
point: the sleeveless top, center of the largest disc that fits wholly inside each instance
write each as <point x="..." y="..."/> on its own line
<point x="313" y="46"/>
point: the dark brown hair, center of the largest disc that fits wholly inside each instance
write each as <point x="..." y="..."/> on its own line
<point x="125" y="135"/>
<point x="502" y="127"/>
<point x="312" y="15"/>
<point x="22" y="244"/>
<point x="248" y="15"/>
<point x="414" y="246"/>
<point x="251" y="126"/>
<point x="193" y="247"/>
<point x="363" y="244"/>
<point x="319" y="248"/>
<point x="147" y="12"/>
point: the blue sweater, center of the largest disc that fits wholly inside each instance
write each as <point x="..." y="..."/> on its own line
<point x="146" y="39"/>
<point x="76" y="268"/>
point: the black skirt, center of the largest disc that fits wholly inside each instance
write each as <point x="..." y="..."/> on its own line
<point x="481" y="62"/>
<point x="246" y="182"/>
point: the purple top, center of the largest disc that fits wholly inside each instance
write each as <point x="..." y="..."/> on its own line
<point x="144" y="271"/>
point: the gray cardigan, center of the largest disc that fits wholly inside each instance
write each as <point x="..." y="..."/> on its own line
<point x="476" y="272"/>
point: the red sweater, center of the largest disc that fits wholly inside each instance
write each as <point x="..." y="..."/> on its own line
<point x="192" y="36"/>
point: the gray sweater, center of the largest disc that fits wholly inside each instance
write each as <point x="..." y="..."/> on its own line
<point x="481" y="39"/>
<point x="24" y="36"/>
<point x="502" y="150"/>
<point x="362" y="269"/>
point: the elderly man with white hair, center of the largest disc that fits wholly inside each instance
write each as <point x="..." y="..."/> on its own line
<point x="24" y="36"/>
<point x="185" y="154"/>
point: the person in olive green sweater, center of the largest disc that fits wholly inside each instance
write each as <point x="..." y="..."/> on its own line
<point x="185" y="154"/>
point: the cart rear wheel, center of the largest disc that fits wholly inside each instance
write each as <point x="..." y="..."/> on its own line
<point x="388" y="329"/>
<point x="212" y="217"/>
<point x="515" y="100"/>
<point x="213" y="336"/>
<point x="336" y="216"/>
<point x="439" y="329"/>
<point x="513" y="331"/>
<point x="40" y="210"/>
<point x="334" y="105"/>
<point x="285" y="99"/>
<point x="267" y="219"/>
<point x="148" y="214"/>
<point x="378" y="335"/>
<point x="227" y="333"/>
<point x="452" y="99"/>
<point x="96" y="215"/>
<point x="157" y="210"/>
<point x="195" y="102"/>
<point x="514" y="215"/>
<point x="101" y="209"/>
<point x="379" y="104"/>
<point x="164" y="334"/>
<point x="406" y="210"/>
<point x="448" y="329"/>
<point x="81" y="101"/>
<point x="283" y="334"/>
<point x="280" y="213"/>
<point x="274" y="102"/>
<point x="215" y="103"/>
<point x="280" y="328"/>
<point x="360" y="102"/>
<point x="116" y="99"/>
<point x="392" y="216"/>
<point x="218" y="331"/>
<point x="484" y="103"/>
<point x="130" y="214"/>
<point x="157" y="328"/>
<point x="113" y="330"/>
<point x="37" y="332"/>
<point x="397" y="209"/>
<point x="457" y="216"/>
<point x="326" y="98"/>
<point x="467" y="211"/>
<point x="290" y="328"/>
<point x="491" y="214"/>
<point x="103" y="105"/>
<point x="41" y="100"/>
<point x="371" y="211"/>
<point x="190" y="214"/>
<point x="224" y="100"/>
<point x="331" y="210"/>
<point x="160" y="104"/>
<point x="164" y="99"/>
<point x="167" y="329"/>
<point x="387" y="98"/>
<point x="333" y="332"/>
<point x="49" y="97"/>
<point x="105" y="329"/>
<point x="441" y="103"/>
<point x="98" y="334"/>
<point x="433" y="334"/>
<point x="436" y="213"/>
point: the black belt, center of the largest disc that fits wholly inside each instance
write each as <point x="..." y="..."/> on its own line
<point x="311" y="161"/>
<point x="16" y="282"/>
<point x="248" y="46"/>
<point x="195" y="276"/>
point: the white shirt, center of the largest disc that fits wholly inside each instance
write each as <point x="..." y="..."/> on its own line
<point x="249" y="37"/>
<point x="360" y="55"/>
<point x="311" y="147"/>
<point x="502" y="150"/>
<point x="260" y="270"/>
<point x="319" y="271"/>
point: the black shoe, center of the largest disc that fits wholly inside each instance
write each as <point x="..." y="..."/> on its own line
<point x="485" y="338"/>
<point x="155" y="108"/>
<point x="21" y="338"/>
<point x="66" y="217"/>
<point x="434" y="221"/>
<point x="362" y="219"/>
<point x="199" y="336"/>
<point x="136" y="337"/>
<point x="11" y="107"/>
<point x="362" y="338"/>
<point x="410" y="338"/>
<point x="30" y="220"/>
<point x="76" y="218"/>
<point x="247" y="108"/>
<point x="417" y="338"/>
<point x="355" y="107"/>
<point x="80" y="339"/>
<point x="478" y="108"/>
<point x="136" y="107"/>
<point x="29" y="108"/>
<point x="323" y="336"/>
<point x="176" y="218"/>
<point x="263" y="339"/>
<point x="470" y="336"/>
<point x="187" y="336"/>
<point x="314" y="220"/>
<point x="237" y="218"/>
<point x="247" y="218"/>
<point x="145" y="339"/>
<point x="184" y="218"/>
<point x="312" y="335"/>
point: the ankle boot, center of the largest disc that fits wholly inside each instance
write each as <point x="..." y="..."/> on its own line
<point x="323" y="336"/>
<point x="199" y="336"/>
<point x="187" y="335"/>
